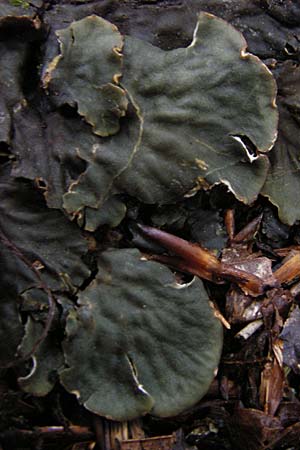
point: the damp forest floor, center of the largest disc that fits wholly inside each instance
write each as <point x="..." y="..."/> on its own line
<point x="253" y="402"/>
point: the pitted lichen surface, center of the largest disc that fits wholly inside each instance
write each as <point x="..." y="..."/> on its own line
<point x="138" y="341"/>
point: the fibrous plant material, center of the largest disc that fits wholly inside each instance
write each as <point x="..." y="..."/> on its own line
<point x="194" y="259"/>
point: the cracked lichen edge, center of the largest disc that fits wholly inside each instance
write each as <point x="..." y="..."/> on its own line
<point x="245" y="55"/>
<point x="263" y="142"/>
<point x="118" y="99"/>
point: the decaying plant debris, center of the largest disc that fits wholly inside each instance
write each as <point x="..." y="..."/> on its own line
<point x="149" y="222"/>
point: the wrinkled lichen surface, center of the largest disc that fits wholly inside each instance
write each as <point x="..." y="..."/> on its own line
<point x="114" y="113"/>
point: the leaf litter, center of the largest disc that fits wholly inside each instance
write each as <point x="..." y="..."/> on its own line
<point x="253" y="276"/>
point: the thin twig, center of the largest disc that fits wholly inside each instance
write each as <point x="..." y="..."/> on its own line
<point x="230" y="223"/>
<point x="290" y="269"/>
<point x="248" y="232"/>
<point x="198" y="261"/>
